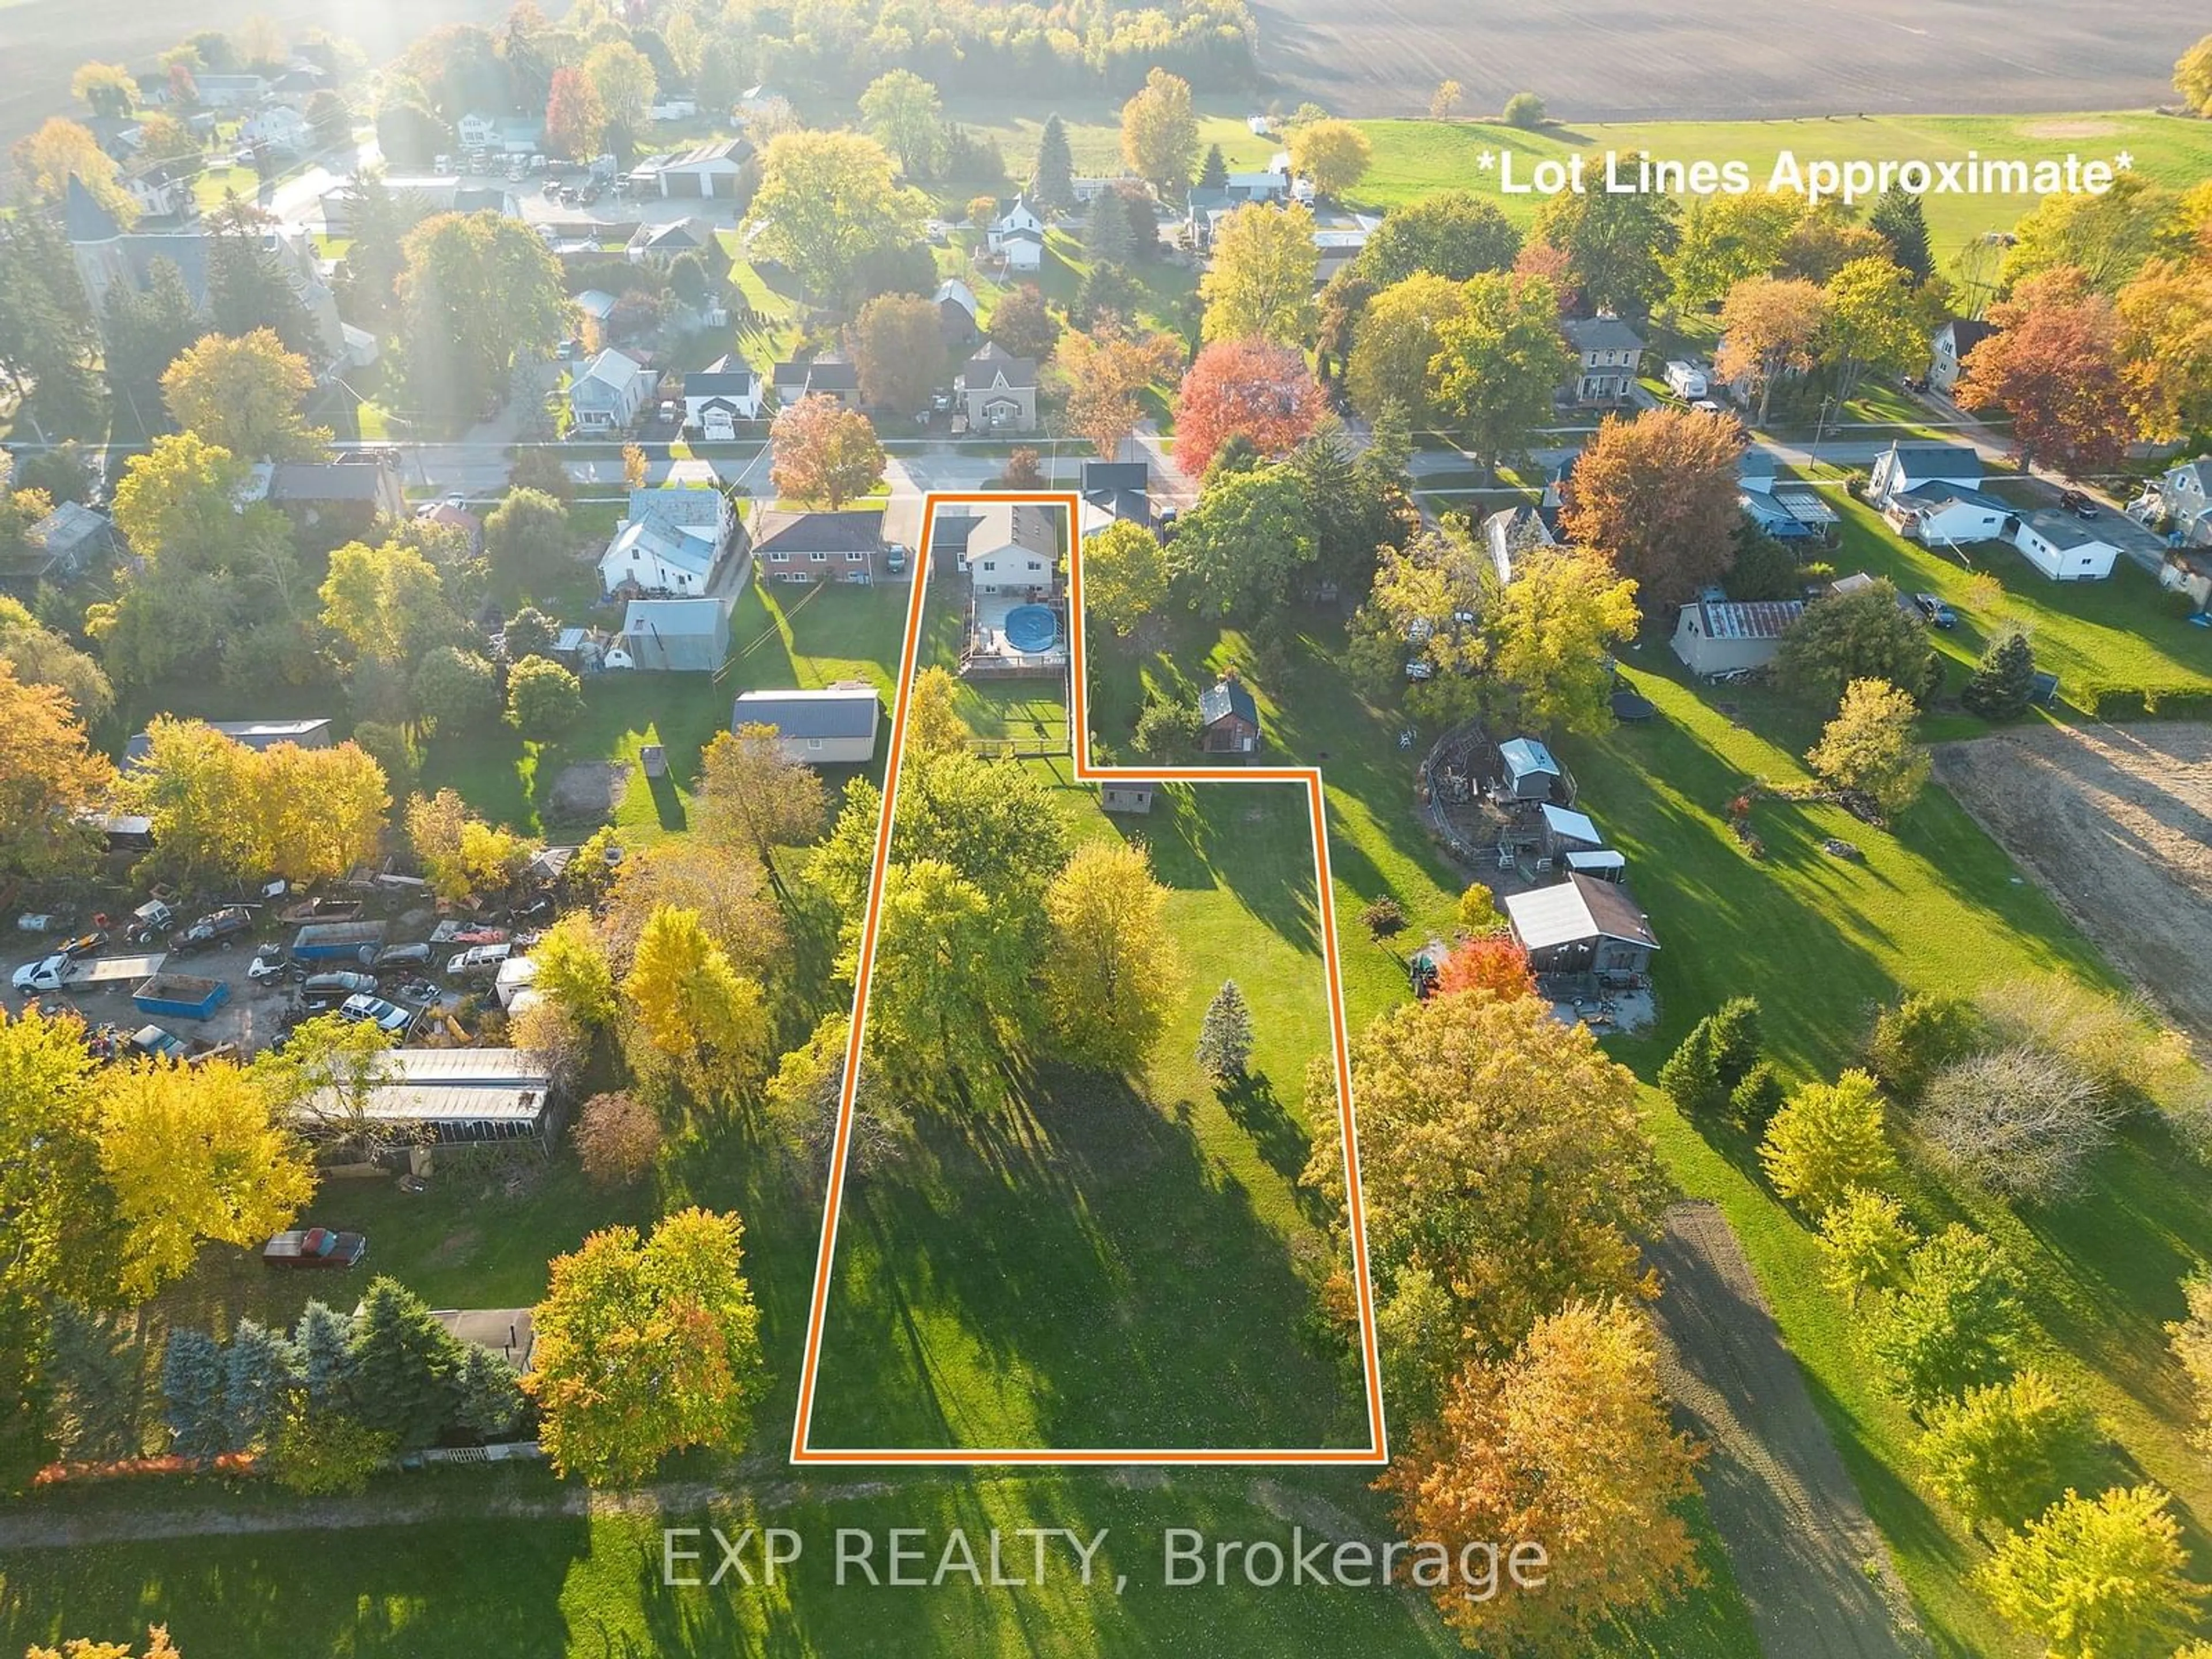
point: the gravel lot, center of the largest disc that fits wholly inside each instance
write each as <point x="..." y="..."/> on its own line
<point x="1612" y="60"/>
<point x="2116" y="823"/>
<point x="250" y="1018"/>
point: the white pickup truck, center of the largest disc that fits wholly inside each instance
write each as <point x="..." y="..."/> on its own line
<point x="60" y="972"/>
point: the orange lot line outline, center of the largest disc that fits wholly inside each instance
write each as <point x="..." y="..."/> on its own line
<point x="802" y="1450"/>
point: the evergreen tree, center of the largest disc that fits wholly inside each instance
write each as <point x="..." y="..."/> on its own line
<point x="490" y="1394"/>
<point x="1144" y="216"/>
<point x="1109" y="240"/>
<point x="47" y="339"/>
<point x="1389" y="443"/>
<point x="1898" y="216"/>
<point x="146" y="332"/>
<point x="1053" y="184"/>
<point x="193" y="1382"/>
<point x="1735" y="1039"/>
<point x="1691" y="1075"/>
<point x="2004" y="680"/>
<point x="1755" y="1098"/>
<point x="258" y="1377"/>
<point x="1106" y="290"/>
<point x="92" y="1378"/>
<point x="323" y="1343"/>
<point x="405" y="1366"/>
<point x="1214" y="172"/>
<point x="1224" y="1036"/>
<point x="247" y="289"/>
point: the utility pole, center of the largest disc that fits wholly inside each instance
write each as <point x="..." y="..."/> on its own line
<point x="1820" y="427"/>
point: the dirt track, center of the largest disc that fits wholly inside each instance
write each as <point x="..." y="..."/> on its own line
<point x="1607" y="60"/>
<point x="1796" y="1534"/>
<point x="2116" y="823"/>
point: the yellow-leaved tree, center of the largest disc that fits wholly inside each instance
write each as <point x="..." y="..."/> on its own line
<point x="1549" y="634"/>
<point x="1125" y="576"/>
<point x="195" y="1153"/>
<point x="1159" y="132"/>
<point x="1568" y="1447"/>
<point x="1502" y="1154"/>
<point x="1869" y="745"/>
<point x="1827" y="1139"/>
<point x="84" y="1647"/>
<point x="459" y="853"/>
<point x="646" y="1346"/>
<point x="224" y="812"/>
<point x="1261" y="283"/>
<point x="1112" y="974"/>
<point x="1333" y="155"/>
<point x="933" y="725"/>
<point x="245" y="395"/>
<point x="692" y="1005"/>
<point x="48" y="775"/>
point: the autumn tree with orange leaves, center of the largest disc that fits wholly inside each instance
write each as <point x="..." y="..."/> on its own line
<point x="1496" y="966"/>
<point x="1770" y="326"/>
<point x="1104" y="373"/>
<point x="1562" y="1461"/>
<point x="823" y="452"/>
<point x="2054" y="366"/>
<point x="1243" y="387"/>
<point x="1657" y="496"/>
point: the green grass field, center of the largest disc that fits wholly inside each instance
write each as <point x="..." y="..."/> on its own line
<point x="2108" y="641"/>
<point x="1413" y="159"/>
<point x="1821" y="941"/>
<point x="592" y="1587"/>
<point x="1094" y="1261"/>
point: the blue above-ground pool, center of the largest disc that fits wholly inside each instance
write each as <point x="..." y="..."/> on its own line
<point x="1030" y="629"/>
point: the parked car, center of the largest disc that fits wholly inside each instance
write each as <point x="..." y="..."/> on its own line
<point x="321" y="990"/>
<point x="315" y="1247"/>
<point x="385" y="1016"/>
<point x="2077" y="503"/>
<point x="478" y="962"/>
<point x="214" y="928"/>
<point x="394" y="958"/>
<point x="152" y="1040"/>
<point x="1934" y="611"/>
<point x="421" y="991"/>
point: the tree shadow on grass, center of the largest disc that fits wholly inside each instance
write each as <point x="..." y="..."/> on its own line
<point x="1254" y="1107"/>
<point x="1069" y="1269"/>
<point x="667" y="803"/>
<point x="427" y="1588"/>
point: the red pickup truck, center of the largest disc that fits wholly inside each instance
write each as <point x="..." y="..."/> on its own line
<point x="315" y="1247"/>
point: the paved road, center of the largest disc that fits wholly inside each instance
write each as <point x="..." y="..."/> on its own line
<point x="1787" y="1511"/>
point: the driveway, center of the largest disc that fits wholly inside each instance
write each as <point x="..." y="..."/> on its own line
<point x="1812" y="1569"/>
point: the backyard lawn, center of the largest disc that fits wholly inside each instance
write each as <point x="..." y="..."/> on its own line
<point x="2115" y="645"/>
<point x="779" y="636"/>
<point x="1128" y="1262"/>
